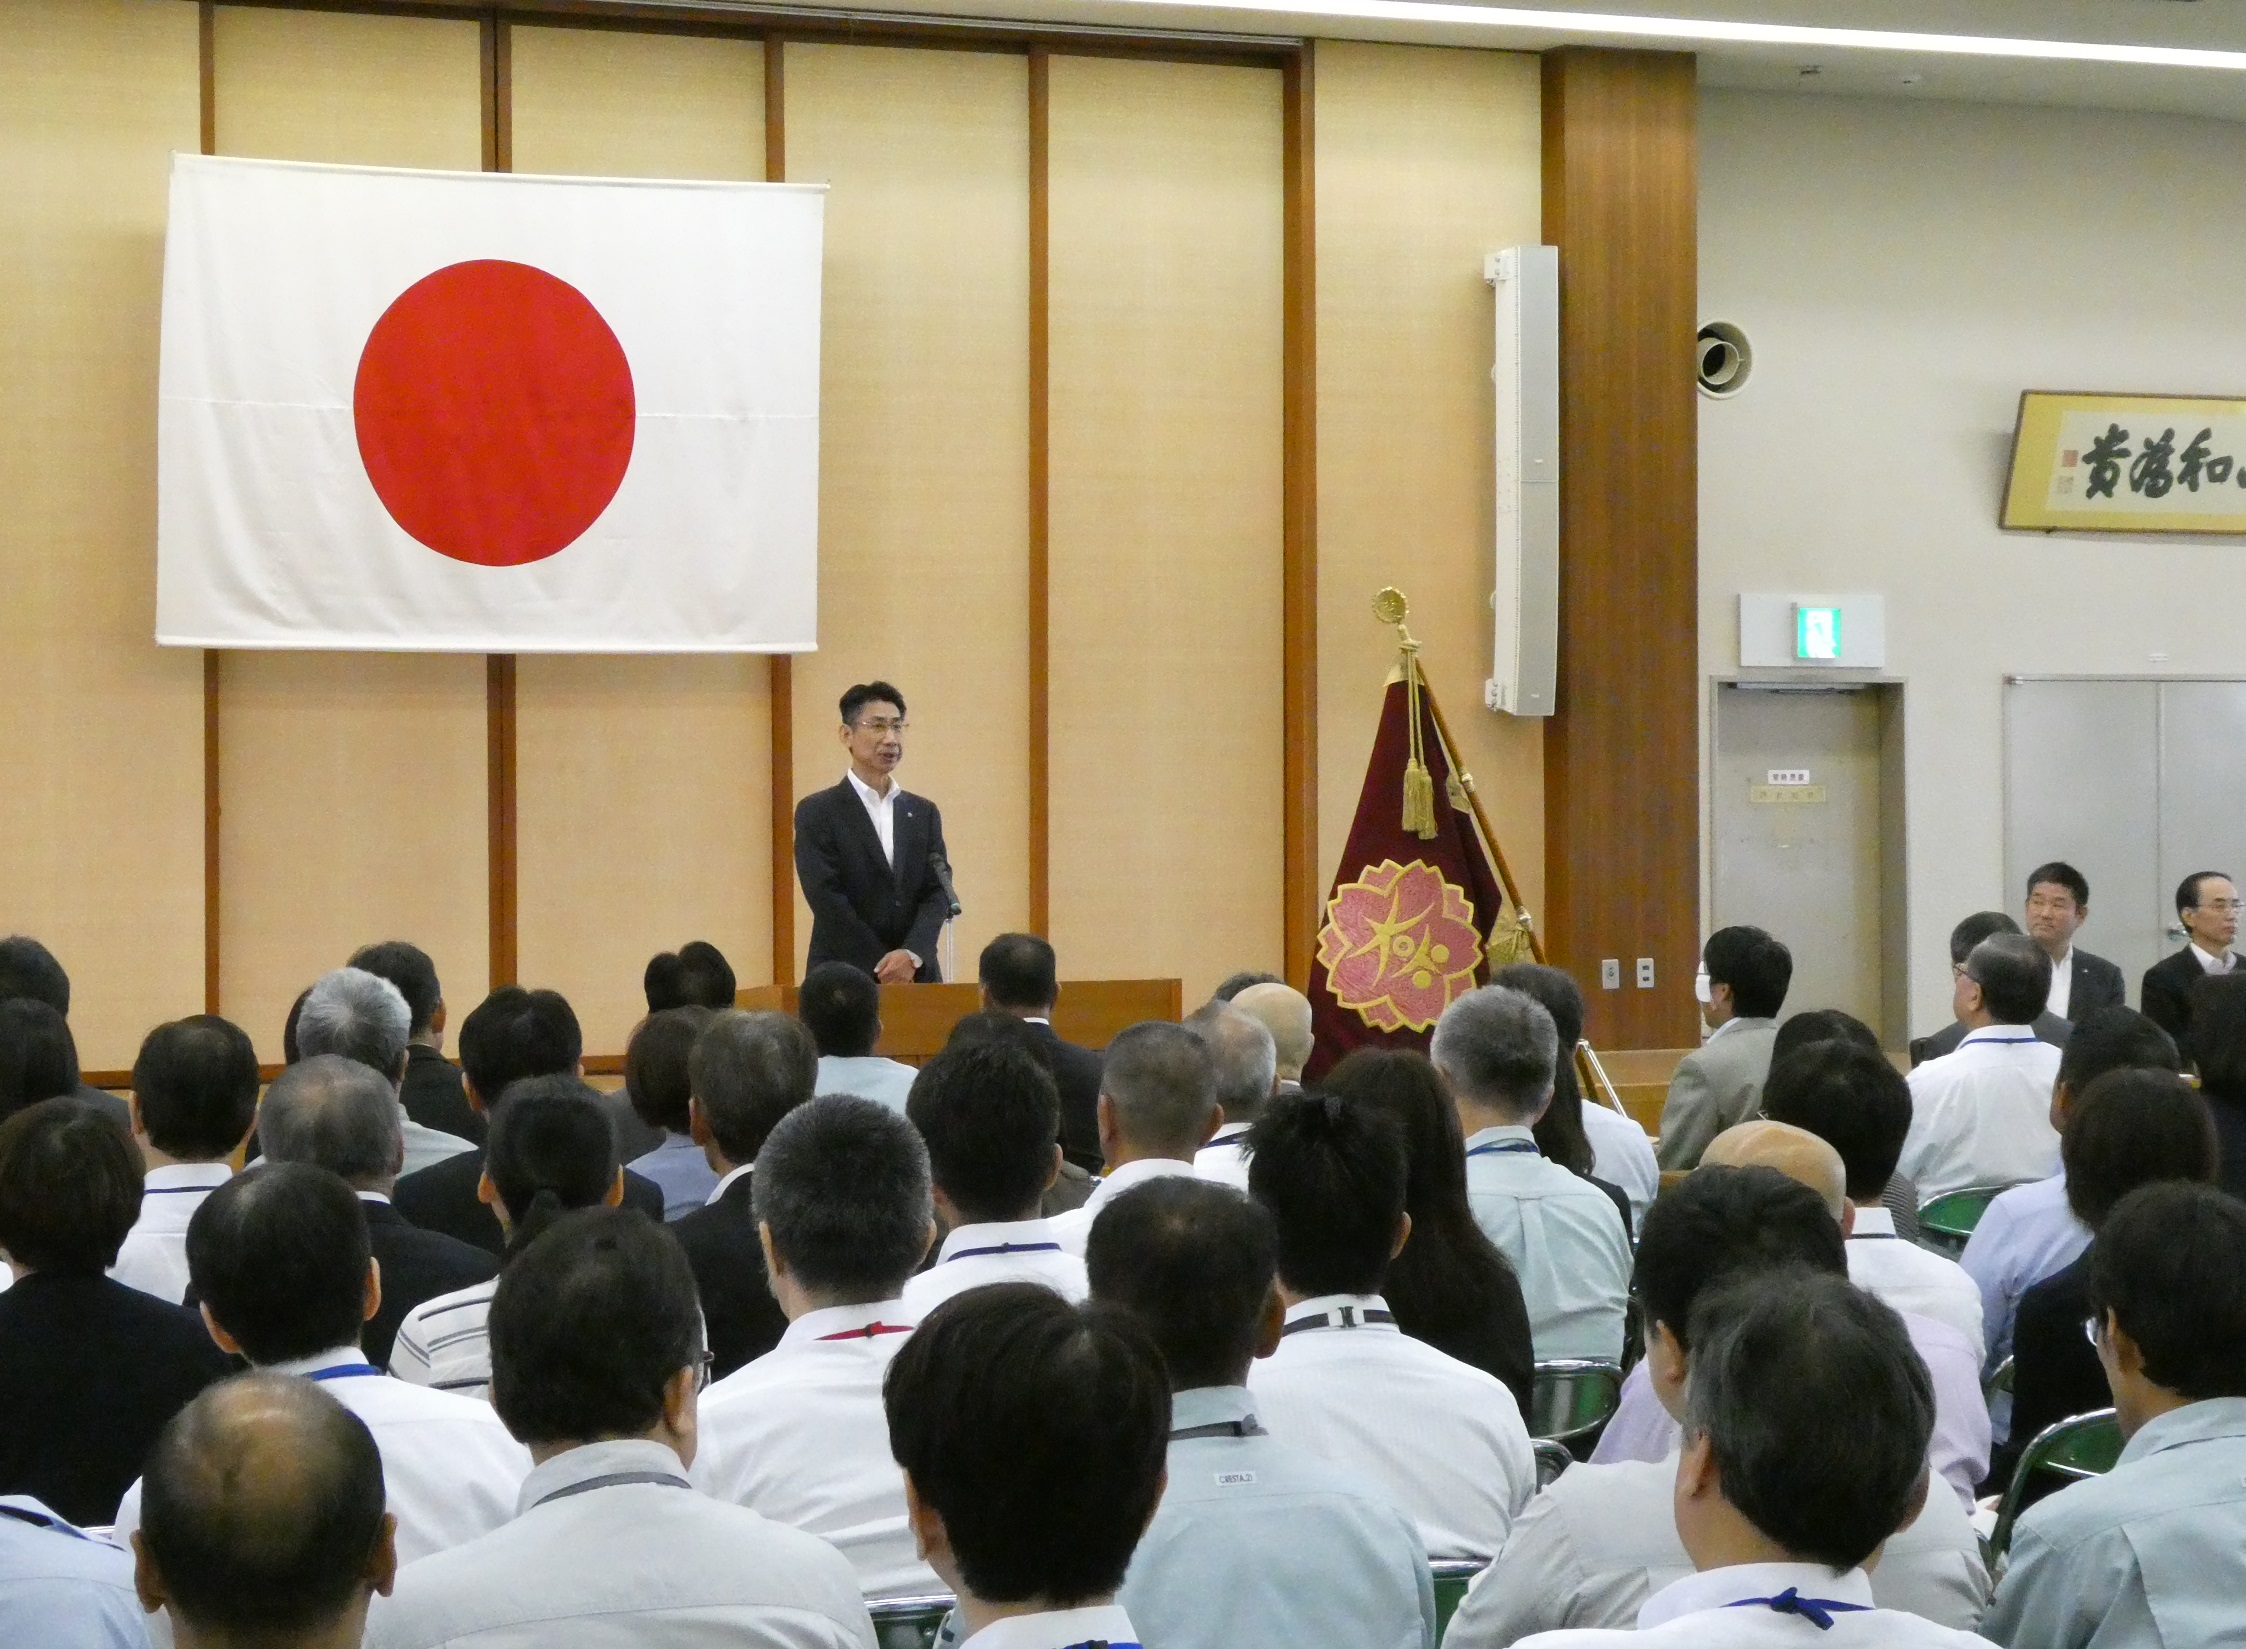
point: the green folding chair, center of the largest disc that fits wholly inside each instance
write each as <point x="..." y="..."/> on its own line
<point x="2086" y="1445"/>
<point x="1946" y="1222"/>
<point x="1572" y="1402"/>
<point x="910" y="1622"/>
<point x="1452" y="1576"/>
<point x="1551" y="1460"/>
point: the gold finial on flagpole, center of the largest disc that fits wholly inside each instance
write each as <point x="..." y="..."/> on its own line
<point x="1390" y="607"/>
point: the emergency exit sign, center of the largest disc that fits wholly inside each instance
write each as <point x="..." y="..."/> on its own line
<point x="1817" y="634"/>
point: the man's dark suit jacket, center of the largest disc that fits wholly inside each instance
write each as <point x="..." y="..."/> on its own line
<point x="1076" y="1072"/>
<point x="442" y="1197"/>
<point x="2097" y="984"/>
<point x="90" y="1372"/>
<point x="434" y="1097"/>
<point x="2048" y="1027"/>
<point x="2055" y="1370"/>
<point x="744" y="1320"/>
<point x="861" y="909"/>
<point x="2165" y="995"/>
<point x="417" y="1265"/>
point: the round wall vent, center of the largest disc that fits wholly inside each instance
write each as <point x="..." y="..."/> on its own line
<point x="1721" y="359"/>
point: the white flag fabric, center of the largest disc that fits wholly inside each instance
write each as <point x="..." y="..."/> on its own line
<point x="416" y="411"/>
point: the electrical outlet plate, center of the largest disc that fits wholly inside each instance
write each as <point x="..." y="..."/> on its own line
<point x="1610" y="974"/>
<point x="1645" y="973"/>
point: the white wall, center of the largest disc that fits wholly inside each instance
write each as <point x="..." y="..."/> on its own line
<point x="1903" y="271"/>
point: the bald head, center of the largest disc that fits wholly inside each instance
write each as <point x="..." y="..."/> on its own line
<point x="261" y="1517"/>
<point x="1246" y="1060"/>
<point x="1795" y="1152"/>
<point x="337" y="1114"/>
<point x="1285" y="1013"/>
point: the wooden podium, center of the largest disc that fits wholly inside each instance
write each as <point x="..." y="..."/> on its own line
<point x="917" y="1019"/>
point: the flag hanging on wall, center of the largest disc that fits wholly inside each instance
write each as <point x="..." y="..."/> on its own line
<point x="475" y="412"/>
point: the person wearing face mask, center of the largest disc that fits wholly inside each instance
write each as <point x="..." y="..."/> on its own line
<point x="1744" y="973"/>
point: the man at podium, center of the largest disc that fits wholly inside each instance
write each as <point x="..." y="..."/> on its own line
<point x="870" y="855"/>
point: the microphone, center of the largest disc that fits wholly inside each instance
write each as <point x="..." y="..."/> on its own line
<point x="942" y="867"/>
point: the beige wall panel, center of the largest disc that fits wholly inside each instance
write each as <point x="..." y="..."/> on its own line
<point x="923" y="494"/>
<point x="1166" y="377"/>
<point x="640" y="782"/>
<point x="353" y="783"/>
<point x="101" y="822"/>
<point x="1428" y="158"/>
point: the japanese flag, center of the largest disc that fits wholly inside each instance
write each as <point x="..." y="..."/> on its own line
<point x="459" y="411"/>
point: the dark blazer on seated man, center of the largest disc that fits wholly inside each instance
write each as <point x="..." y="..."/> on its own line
<point x="417" y="1265"/>
<point x="743" y="1319"/>
<point x="442" y="1197"/>
<point x="862" y="906"/>
<point x="2048" y="1027"/>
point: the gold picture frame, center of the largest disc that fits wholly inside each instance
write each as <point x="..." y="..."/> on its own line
<point x="2127" y="463"/>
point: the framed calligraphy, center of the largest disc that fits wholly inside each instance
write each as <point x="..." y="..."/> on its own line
<point x="2127" y="463"/>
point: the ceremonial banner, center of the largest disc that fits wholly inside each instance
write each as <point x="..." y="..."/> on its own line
<point x="475" y="412"/>
<point x="2127" y="463"/>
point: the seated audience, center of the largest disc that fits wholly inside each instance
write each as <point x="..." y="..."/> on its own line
<point x="1443" y="1440"/>
<point x="1073" y="1187"/>
<point x="431" y="1092"/>
<point x="1601" y="1539"/>
<point x="696" y="975"/>
<point x="90" y="1370"/>
<point x="61" y="1588"/>
<point x="1021" y="978"/>
<point x="281" y="1261"/>
<point x="362" y="1016"/>
<point x="1782" y="1512"/>
<point x="597" y="1359"/>
<point x="2154" y="1552"/>
<point x="262" y="1520"/>
<point x="337" y="1114"/>
<point x="1450" y="1287"/>
<point x="747" y="1071"/>
<point x="2217" y="1045"/>
<point x="1620" y="1153"/>
<point x="1568" y="1244"/>
<point x="661" y="1093"/>
<point x="38" y="1058"/>
<point x="2207" y="908"/>
<point x="2129" y="1128"/>
<point x="549" y="1152"/>
<point x="840" y="1005"/>
<point x="1742" y="984"/>
<point x="990" y="1116"/>
<point x="1285" y="1012"/>
<point x="194" y="1101"/>
<point x="1032" y="1433"/>
<point x="1810" y="1025"/>
<point x="1981" y="1115"/>
<point x="2047" y="1026"/>
<point x="798" y="1434"/>
<point x="1255" y="1542"/>
<point x="28" y="970"/>
<point x="1158" y="1107"/>
<point x="1247" y="1062"/>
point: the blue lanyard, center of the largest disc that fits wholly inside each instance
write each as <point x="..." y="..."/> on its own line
<point x="344" y="1371"/>
<point x="1005" y="1248"/>
<point x="1818" y="1611"/>
<point x="1506" y="1148"/>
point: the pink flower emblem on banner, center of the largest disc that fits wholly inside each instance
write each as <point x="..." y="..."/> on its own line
<point x="1399" y="945"/>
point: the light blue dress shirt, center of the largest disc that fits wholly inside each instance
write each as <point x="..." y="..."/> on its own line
<point x="888" y="1081"/>
<point x="2025" y="1235"/>
<point x="1258" y="1545"/>
<point x="2153" y="1553"/>
<point x="60" y="1589"/>
<point x="683" y="1172"/>
<point x="1567" y="1244"/>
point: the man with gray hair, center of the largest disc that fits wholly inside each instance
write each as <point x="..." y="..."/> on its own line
<point x="1247" y="1061"/>
<point x="1158" y="1107"/>
<point x="338" y="1114"/>
<point x="1498" y="1051"/>
<point x="1982" y="1115"/>
<point x="362" y="1016"/>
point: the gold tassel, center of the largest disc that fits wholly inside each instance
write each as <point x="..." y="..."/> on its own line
<point x="1419" y="800"/>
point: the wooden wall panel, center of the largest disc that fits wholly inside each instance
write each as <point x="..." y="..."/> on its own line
<point x="923" y="497"/>
<point x="640" y="781"/>
<point x="101" y="817"/>
<point x="1622" y="784"/>
<point x="1166" y="305"/>
<point x="352" y="784"/>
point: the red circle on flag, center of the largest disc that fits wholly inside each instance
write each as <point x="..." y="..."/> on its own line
<point x="494" y="410"/>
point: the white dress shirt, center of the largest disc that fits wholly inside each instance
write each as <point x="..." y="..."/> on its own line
<point x="153" y="1258"/>
<point x="725" y="1183"/>
<point x="2062" y="986"/>
<point x="1910" y="1278"/>
<point x="2210" y="962"/>
<point x="1982" y="1115"/>
<point x="1074" y="1228"/>
<point x="1622" y="1155"/>
<point x="799" y="1435"/>
<point x="1443" y="1440"/>
<point x="2025" y="1235"/>
<point x="885" y="1081"/>
<point x="1595" y="1544"/>
<point x="1567" y="1246"/>
<point x="882" y="809"/>
<point x="1223" y="1158"/>
<point x="445" y="1342"/>
<point x="1007" y="1251"/>
<point x="1059" y="1629"/>
<point x="1729" y="1609"/>
<point x="610" y="1548"/>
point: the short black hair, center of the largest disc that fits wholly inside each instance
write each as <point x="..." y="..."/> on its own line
<point x="38" y="1056"/>
<point x="290" y="1052"/>
<point x="1038" y="1431"/>
<point x="70" y="1184"/>
<point x="696" y="975"/>
<point x="28" y="968"/>
<point x="1850" y="1097"/>
<point x="1160" y="1081"/>
<point x="1194" y="1261"/>
<point x="1558" y="993"/>
<point x="2170" y="1264"/>
<point x="656" y="1078"/>
<point x="1333" y="1176"/>
<point x="2114" y="1039"/>
<point x="2132" y="1128"/>
<point x="408" y="967"/>
<point x="1821" y="1025"/>
<point x="864" y="693"/>
<point x="2058" y="873"/>
<point x="1757" y="968"/>
<point x="1020" y="971"/>
<point x="842" y="1184"/>
<point x="262" y="1506"/>
<point x="1718" y="1223"/>
<point x="551" y="1149"/>
<point x="1775" y="1358"/>
<point x="1232" y="984"/>
<point x="840" y="1005"/>
<point x="749" y="1070"/>
<point x="990" y="1115"/>
<point x="515" y="1033"/>
<point x="195" y="1087"/>
<point x="2014" y="973"/>
<point x="588" y="1326"/>
<point x="2187" y="890"/>
<point x="1975" y="928"/>
<point x="279" y="1256"/>
<point x="2216" y="1035"/>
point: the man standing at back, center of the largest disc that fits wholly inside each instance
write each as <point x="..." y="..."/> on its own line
<point x="1021" y="977"/>
<point x="1742" y="984"/>
<point x="1158" y="1107"/>
<point x="2207" y="908"/>
<point x="2058" y="905"/>
<point x="1982" y="1115"/>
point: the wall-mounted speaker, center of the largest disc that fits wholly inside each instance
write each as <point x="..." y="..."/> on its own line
<point x="1525" y="603"/>
<point x="1721" y="359"/>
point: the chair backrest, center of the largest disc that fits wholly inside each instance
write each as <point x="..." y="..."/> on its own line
<point x="1453" y="1575"/>
<point x="909" y="1622"/>
<point x="1947" y="1221"/>
<point x="1573" y="1400"/>
<point x="1551" y="1460"/>
<point x="2086" y="1445"/>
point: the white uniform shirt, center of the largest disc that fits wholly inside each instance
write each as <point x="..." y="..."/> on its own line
<point x="1910" y="1278"/>
<point x="2027" y="1234"/>
<point x="1009" y="1251"/>
<point x="1983" y="1114"/>
<point x="882" y="810"/>
<point x="884" y="1081"/>
<point x="610" y="1547"/>
<point x="1443" y="1440"/>
<point x="445" y="1342"/>
<point x="1222" y="1159"/>
<point x="153" y="1258"/>
<point x="1563" y="1237"/>
<point x="800" y="1436"/>
<point x="1059" y="1629"/>
<point x="1074" y="1228"/>
<point x="1730" y="1609"/>
<point x="1592" y="1547"/>
<point x="1622" y="1155"/>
